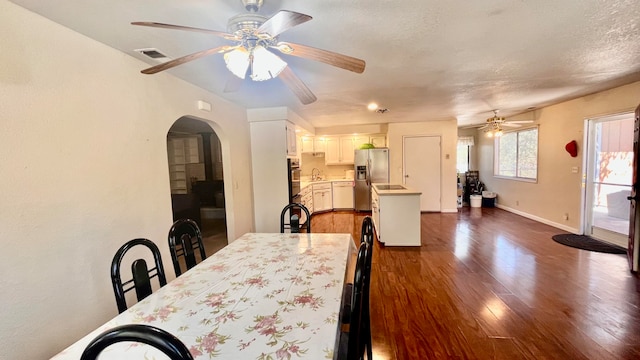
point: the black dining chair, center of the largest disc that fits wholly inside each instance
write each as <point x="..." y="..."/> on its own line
<point x="366" y="235"/>
<point x="184" y="239"/>
<point x="352" y="342"/>
<point x="366" y="230"/>
<point x="294" y="211"/>
<point x="158" y="338"/>
<point x="142" y="275"/>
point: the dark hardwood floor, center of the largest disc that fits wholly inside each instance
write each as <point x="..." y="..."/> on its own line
<point x="489" y="284"/>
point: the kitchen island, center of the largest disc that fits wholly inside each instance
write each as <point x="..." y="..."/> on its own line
<point x="395" y="210"/>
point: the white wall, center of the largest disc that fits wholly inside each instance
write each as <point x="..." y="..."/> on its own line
<point x="448" y="132"/>
<point x="84" y="169"/>
<point x="269" y="164"/>
<point x="558" y="190"/>
<point x="270" y="177"/>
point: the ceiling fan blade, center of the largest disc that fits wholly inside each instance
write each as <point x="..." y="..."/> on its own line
<point x="520" y="121"/>
<point x="510" y="124"/>
<point x="282" y="21"/>
<point x="483" y="127"/>
<point x="325" y="56"/>
<point x="187" y="58"/>
<point x="180" y="27"/>
<point x="297" y="86"/>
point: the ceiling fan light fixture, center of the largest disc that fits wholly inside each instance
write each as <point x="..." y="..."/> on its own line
<point x="265" y="65"/>
<point x="252" y="5"/>
<point x="237" y="61"/>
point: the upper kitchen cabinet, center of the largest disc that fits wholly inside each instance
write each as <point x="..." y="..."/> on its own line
<point x="319" y="144"/>
<point x="311" y="144"/>
<point x="306" y="144"/>
<point x="339" y="150"/>
<point x="332" y="151"/>
<point x="359" y="140"/>
<point x="378" y="140"/>
<point x="347" y="147"/>
<point x="292" y="149"/>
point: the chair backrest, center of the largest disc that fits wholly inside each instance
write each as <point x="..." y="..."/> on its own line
<point x="366" y="232"/>
<point x="295" y="211"/>
<point x="367" y="238"/>
<point x="357" y="333"/>
<point x="158" y="338"/>
<point x="184" y="239"/>
<point x="142" y="275"/>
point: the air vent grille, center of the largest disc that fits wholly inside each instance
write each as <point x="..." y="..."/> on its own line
<point x="154" y="54"/>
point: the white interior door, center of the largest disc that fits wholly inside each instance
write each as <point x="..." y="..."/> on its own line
<point x="422" y="168"/>
<point x="609" y="178"/>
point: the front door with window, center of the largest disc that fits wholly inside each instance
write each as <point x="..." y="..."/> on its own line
<point x="609" y="178"/>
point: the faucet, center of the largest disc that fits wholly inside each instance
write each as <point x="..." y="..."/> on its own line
<point x="315" y="173"/>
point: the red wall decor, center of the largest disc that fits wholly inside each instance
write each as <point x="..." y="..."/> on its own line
<point x="572" y="148"/>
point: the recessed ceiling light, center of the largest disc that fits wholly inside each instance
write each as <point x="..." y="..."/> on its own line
<point x="372" y="106"/>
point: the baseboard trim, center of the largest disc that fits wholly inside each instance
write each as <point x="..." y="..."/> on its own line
<point x="450" y="210"/>
<point x="539" y="219"/>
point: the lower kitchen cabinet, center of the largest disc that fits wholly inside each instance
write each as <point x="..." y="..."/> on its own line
<point x="322" y="199"/>
<point x="306" y="199"/>
<point x="396" y="216"/>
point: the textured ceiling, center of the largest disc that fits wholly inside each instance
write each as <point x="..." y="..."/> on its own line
<point x="426" y="60"/>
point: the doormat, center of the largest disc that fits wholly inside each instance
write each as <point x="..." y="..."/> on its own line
<point x="585" y="242"/>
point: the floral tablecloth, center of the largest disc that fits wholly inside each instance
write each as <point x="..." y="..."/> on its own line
<point x="264" y="296"/>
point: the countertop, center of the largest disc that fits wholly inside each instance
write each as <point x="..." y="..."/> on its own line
<point x="306" y="182"/>
<point x="405" y="191"/>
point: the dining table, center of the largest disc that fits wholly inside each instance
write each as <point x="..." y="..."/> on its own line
<point x="263" y="296"/>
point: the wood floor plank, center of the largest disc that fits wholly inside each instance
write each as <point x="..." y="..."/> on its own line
<point x="489" y="284"/>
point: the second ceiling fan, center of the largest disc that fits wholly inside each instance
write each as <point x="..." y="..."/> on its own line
<point x="254" y="38"/>
<point x="494" y="125"/>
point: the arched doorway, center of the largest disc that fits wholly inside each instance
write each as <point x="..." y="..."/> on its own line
<point x="196" y="176"/>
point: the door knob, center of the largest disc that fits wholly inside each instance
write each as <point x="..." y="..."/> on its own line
<point x="635" y="197"/>
<point x="407" y="175"/>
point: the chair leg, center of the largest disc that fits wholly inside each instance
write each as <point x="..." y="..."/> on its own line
<point x="368" y="337"/>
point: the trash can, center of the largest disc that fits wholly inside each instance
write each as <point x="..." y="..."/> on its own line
<point x="476" y="201"/>
<point x="488" y="199"/>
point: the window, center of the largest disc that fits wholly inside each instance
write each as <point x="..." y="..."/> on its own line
<point x="462" y="160"/>
<point x="516" y="154"/>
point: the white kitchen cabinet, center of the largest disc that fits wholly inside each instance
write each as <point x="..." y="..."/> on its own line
<point x="306" y="144"/>
<point x="332" y="151"/>
<point x="311" y="144"/>
<point x="339" y="150"/>
<point x="378" y="140"/>
<point x="306" y="198"/>
<point x="347" y="147"/>
<point x="396" y="215"/>
<point x="375" y="213"/>
<point x="342" y="194"/>
<point x="322" y="199"/>
<point x="319" y="144"/>
<point x="359" y="140"/>
<point x="291" y="140"/>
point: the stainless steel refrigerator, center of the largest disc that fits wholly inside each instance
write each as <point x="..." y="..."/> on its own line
<point x="371" y="166"/>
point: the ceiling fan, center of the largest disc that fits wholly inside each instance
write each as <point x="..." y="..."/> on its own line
<point x="494" y="125"/>
<point x="254" y="41"/>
